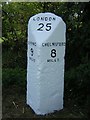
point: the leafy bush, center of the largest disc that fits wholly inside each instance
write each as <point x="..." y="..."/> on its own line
<point x="15" y="76"/>
<point x="13" y="59"/>
<point x="76" y="83"/>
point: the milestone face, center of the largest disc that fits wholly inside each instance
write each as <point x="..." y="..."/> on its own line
<point x="45" y="69"/>
<point x="43" y="25"/>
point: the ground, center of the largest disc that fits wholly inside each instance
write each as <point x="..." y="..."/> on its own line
<point x="14" y="106"/>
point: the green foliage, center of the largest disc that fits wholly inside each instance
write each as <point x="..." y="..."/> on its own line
<point x="15" y="20"/>
<point x="77" y="83"/>
<point x="13" y="59"/>
<point x="76" y="16"/>
<point x="15" y="76"/>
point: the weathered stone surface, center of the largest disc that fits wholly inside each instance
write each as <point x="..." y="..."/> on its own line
<point x="45" y="67"/>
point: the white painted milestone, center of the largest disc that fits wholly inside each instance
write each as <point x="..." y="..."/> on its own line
<point x="45" y="65"/>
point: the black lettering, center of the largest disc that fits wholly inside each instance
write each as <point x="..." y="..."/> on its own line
<point x="53" y="53"/>
<point x="54" y="18"/>
<point x="46" y="18"/>
<point x="32" y="51"/>
<point x="41" y="26"/>
<point x="50" y="18"/>
<point x="51" y="60"/>
<point x="38" y="18"/>
<point x="32" y="59"/>
<point x="32" y="43"/>
<point x="48" y="26"/>
<point x="42" y="18"/>
<point x="34" y="19"/>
